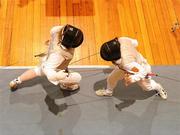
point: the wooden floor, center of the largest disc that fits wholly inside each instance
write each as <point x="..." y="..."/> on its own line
<point x="25" y="25"/>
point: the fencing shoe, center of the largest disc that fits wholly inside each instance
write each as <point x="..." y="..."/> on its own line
<point x="14" y="84"/>
<point x="162" y="93"/>
<point x="104" y="92"/>
<point x="70" y="87"/>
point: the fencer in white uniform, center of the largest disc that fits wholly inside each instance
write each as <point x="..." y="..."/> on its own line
<point x="130" y="66"/>
<point x="54" y="63"/>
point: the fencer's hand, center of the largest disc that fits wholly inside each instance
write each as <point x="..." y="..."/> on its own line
<point x="67" y="71"/>
<point x="62" y="74"/>
<point x="127" y="79"/>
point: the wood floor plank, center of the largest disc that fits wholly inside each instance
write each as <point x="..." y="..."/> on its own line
<point x="137" y="30"/>
<point x="148" y="49"/>
<point x="25" y="26"/>
<point x="171" y="18"/>
<point x="3" y="10"/>
<point x="16" y="42"/>
<point x="36" y="31"/>
<point x="6" y="47"/>
<point x="164" y="30"/>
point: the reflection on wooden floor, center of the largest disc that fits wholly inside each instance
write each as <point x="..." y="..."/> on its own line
<point x="25" y="25"/>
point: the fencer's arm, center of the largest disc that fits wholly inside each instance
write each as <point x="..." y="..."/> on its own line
<point x="54" y="30"/>
<point x="129" y="59"/>
<point x="50" y="66"/>
<point x="136" y="70"/>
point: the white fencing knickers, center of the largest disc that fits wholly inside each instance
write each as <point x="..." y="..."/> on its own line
<point x="146" y="84"/>
<point x="70" y="79"/>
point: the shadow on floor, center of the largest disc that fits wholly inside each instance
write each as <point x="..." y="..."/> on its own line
<point x="55" y="98"/>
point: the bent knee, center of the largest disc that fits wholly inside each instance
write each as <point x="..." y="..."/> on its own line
<point x="51" y="78"/>
<point x="148" y="85"/>
<point x="147" y="88"/>
<point x="38" y="71"/>
<point x="76" y="76"/>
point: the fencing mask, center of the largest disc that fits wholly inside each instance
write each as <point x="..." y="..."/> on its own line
<point x="110" y="50"/>
<point x="72" y="37"/>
